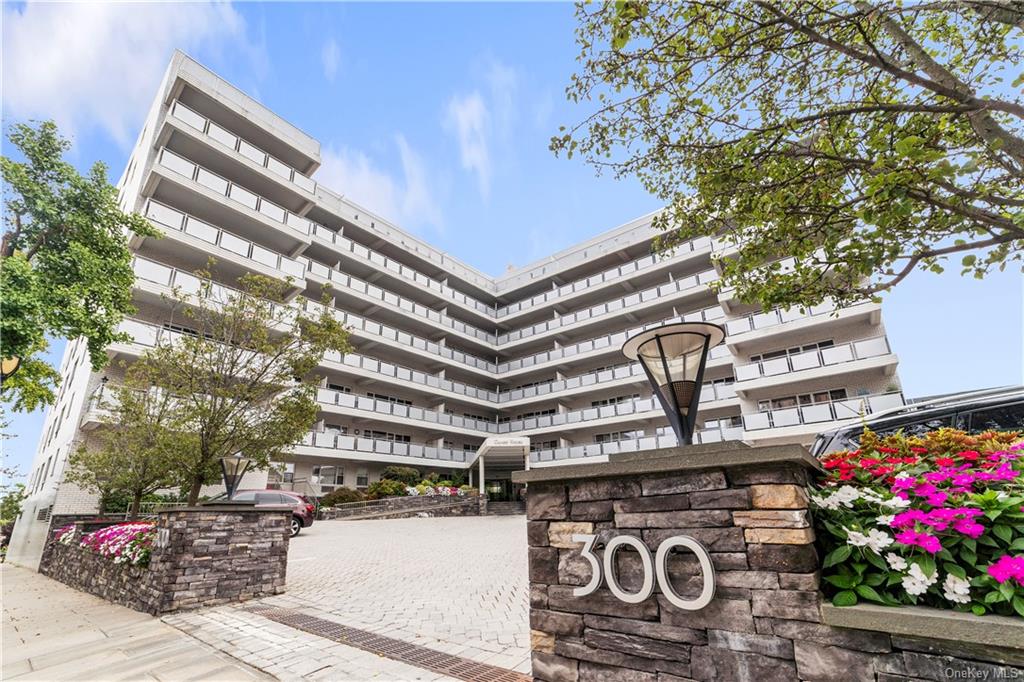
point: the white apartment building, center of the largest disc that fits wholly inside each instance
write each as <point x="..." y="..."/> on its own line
<point x="445" y="355"/>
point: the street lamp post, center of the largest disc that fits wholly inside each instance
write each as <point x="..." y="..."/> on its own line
<point x="673" y="357"/>
<point x="233" y="468"/>
<point x="8" y="366"/>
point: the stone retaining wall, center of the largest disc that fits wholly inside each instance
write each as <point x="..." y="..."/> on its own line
<point x="406" y="507"/>
<point x="203" y="556"/>
<point x="748" y="508"/>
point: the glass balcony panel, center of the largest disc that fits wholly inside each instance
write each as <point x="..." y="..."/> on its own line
<point x="187" y="282"/>
<point x="885" y="401"/>
<point x="201" y="230"/>
<point x="152" y="271"/>
<point x="762" y="320"/>
<point x="324" y="440"/>
<point x="303" y="182"/>
<point x="734" y="326"/>
<point x="278" y="168"/>
<point x="186" y="115"/>
<point x="252" y="152"/>
<point x="213" y="182"/>
<point x="177" y="164"/>
<point x="300" y="224"/>
<point x="787" y="417"/>
<point x="244" y="196"/>
<point x="775" y="366"/>
<point x="264" y="256"/>
<point x="870" y="348"/>
<point x="234" y="244"/>
<point x="272" y="211"/>
<point x="817" y="413"/>
<point x="753" y="422"/>
<point x="292" y="268"/>
<point x="808" y="360"/>
<point x="747" y="372"/>
<point x="222" y="135"/>
<point x="847" y="409"/>
<point x="836" y="355"/>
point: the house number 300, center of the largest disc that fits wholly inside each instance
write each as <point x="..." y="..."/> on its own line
<point x="652" y="567"/>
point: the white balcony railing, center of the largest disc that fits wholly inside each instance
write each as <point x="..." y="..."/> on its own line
<point x="816" y="413"/>
<point x="371" y="446"/>
<point x="326" y="396"/>
<point x="682" y="252"/>
<point x="419" y="311"/>
<point x="658" y="293"/>
<point x="614" y="341"/>
<point x="822" y="357"/>
<point x="236" y="193"/>
<point x="662" y="440"/>
<point x="246" y="149"/>
<point x="774" y="317"/>
<point x="192" y="226"/>
<point x="383" y="263"/>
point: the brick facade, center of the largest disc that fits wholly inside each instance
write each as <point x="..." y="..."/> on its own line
<point x="203" y="556"/>
<point x="749" y="509"/>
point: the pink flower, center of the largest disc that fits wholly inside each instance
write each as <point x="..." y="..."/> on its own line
<point x="1007" y="567"/>
<point x="928" y="543"/>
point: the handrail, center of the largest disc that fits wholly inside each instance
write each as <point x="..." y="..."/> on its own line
<point x="381" y="447"/>
<point x="245" y="148"/>
<point x="199" y="175"/>
<point x="183" y="222"/>
<point x="862" y="349"/>
<point x="814" y="413"/>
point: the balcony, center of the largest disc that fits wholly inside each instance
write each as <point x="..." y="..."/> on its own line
<point x="202" y="235"/>
<point x="611" y="343"/>
<point x="376" y="295"/>
<point x="247" y="203"/>
<point x="858" y="356"/>
<point x="348" y="403"/>
<point x="382" y="263"/>
<point x="601" y="451"/>
<point x="819" y="413"/>
<point x="750" y="329"/>
<point x="250" y="151"/>
<point x="641" y="265"/>
<point x="625" y="411"/>
<point x="641" y="299"/>
<point x="328" y="444"/>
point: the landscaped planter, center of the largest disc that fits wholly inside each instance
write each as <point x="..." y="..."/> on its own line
<point x="199" y="556"/>
<point x="933" y="520"/>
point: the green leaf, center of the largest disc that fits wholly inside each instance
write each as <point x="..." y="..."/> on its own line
<point x="844" y="598"/>
<point x="843" y="581"/>
<point x="927" y="565"/>
<point x="956" y="570"/>
<point x="869" y="593"/>
<point x="1017" y="544"/>
<point x="1007" y="590"/>
<point x="978" y="610"/>
<point x="1018" y="605"/>
<point x="841" y="553"/>
<point x="876" y="561"/>
<point x="1003" y="532"/>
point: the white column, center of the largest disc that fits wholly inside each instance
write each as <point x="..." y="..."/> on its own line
<point x="482" y="479"/>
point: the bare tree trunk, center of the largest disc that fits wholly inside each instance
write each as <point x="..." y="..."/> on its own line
<point x="193" y="493"/>
<point x="136" y="503"/>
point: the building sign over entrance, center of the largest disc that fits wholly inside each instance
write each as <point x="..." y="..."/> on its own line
<point x="653" y="568"/>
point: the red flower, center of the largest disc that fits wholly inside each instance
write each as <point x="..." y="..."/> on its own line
<point x="969" y="455"/>
<point x="870" y="462"/>
<point x="894" y="460"/>
<point x="945" y="461"/>
<point x="888" y="451"/>
<point x="846" y="475"/>
<point x="881" y="471"/>
<point x="919" y="450"/>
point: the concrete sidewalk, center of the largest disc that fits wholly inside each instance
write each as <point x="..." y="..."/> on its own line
<point x="52" y="632"/>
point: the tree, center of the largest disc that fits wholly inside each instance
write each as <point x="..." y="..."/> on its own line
<point x="10" y="504"/>
<point x="65" y="267"/>
<point x="135" y="452"/>
<point x="242" y="374"/>
<point x="866" y="139"/>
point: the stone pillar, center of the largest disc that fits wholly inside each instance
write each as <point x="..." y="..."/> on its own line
<point x="746" y="506"/>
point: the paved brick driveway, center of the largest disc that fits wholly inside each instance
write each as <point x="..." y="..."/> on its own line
<point x="457" y="585"/>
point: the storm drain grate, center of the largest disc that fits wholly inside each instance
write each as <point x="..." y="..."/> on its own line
<point x="395" y="649"/>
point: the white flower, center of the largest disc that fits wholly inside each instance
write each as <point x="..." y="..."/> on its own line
<point x="916" y="582"/>
<point x="885" y="519"/>
<point x="856" y="539"/>
<point x="844" y="496"/>
<point x="895" y="561"/>
<point x="877" y="540"/>
<point x="895" y="503"/>
<point x="956" y="589"/>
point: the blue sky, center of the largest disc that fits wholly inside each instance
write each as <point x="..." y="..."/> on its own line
<point x="437" y="116"/>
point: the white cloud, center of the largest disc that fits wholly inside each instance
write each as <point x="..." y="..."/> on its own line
<point x="482" y="121"/>
<point x="330" y="55"/>
<point x="469" y="119"/>
<point x="410" y="202"/>
<point x="89" y="65"/>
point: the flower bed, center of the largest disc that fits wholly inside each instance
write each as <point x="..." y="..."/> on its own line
<point x="124" y="543"/>
<point x="438" y="490"/>
<point x="935" y="520"/>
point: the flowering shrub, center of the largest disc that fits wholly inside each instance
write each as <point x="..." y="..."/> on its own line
<point x="435" y="490"/>
<point x="65" y="535"/>
<point x="125" y="543"/>
<point x="934" y="520"/>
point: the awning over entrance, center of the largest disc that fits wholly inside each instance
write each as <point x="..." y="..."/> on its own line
<point x="504" y="451"/>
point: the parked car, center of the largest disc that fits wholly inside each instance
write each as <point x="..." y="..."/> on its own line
<point x="303" y="511"/>
<point x="1000" y="409"/>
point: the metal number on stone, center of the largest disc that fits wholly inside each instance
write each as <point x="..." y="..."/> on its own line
<point x="652" y="569"/>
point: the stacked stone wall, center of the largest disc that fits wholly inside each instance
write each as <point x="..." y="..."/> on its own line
<point x="765" y="621"/>
<point x="202" y="556"/>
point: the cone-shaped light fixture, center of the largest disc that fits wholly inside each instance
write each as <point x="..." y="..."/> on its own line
<point x="673" y="357"/>
<point x="233" y="468"/>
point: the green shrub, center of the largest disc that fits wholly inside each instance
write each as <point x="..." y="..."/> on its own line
<point x="385" y="488"/>
<point x="404" y="475"/>
<point x="341" y="496"/>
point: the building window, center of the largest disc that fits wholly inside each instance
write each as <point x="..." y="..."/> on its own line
<point x="802" y="399"/>
<point x="792" y="351"/>
<point x="536" y="413"/>
<point x="543" y="445"/>
<point x="614" y="401"/>
<point x="362" y="478"/>
<point x="386" y="435"/>
<point x="389" y="399"/>
<point x="617" y="436"/>
<point x="329" y="475"/>
<point x="339" y="388"/>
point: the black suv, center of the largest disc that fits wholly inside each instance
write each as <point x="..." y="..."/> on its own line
<point x="1000" y="409"/>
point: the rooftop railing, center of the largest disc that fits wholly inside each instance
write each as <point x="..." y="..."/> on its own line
<point x="237" y="193"/>
<point x="236" y="143"/>
<point x="816" y="413"/>
<point x="821" y="357"/>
